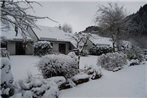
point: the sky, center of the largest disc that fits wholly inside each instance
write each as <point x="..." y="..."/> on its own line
<point x="79" y="14"/>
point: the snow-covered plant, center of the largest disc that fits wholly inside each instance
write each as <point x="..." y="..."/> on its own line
<point x="7" y="88"/>
<point x="100" y="50"/>
<point x="84" y="52"/>
<point x="94" y="71"/>
<point x="4" y="53"/>
<point x="135" y="53"/>
<point x="80" y="78"/>
<point x="42" y="48"/>
<point x="58" y="65"/>
<point x="112" y="61"/>
<point x="37" y="87"/>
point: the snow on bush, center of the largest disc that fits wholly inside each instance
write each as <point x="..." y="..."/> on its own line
<point x="112" y="61"/>
<point x="4" y="53"/>
<point x="7" y="88"/>
<point x="84" y="52"/>
<point x="99" y="50"/>
<point x="37" y="87"/>
<point x="80" y="78"/>
<point x="42" y="48"/>
<point x="94" y="71"/>
<point x="58" y="65"/>
<point x="135" y="53"/>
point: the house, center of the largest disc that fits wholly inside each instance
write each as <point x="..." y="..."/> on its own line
<point x="98" y="41"/>
<point x="59" y="40"/>
<point x="15" y="44"/>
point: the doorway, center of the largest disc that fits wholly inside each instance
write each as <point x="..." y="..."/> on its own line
<point x="62" y="48"/>
<point x="20" y="49"/>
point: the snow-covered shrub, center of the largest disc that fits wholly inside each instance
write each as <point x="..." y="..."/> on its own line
<point x="93" y="71"/>
<point x="84" y="52"/>
<point x="80" y="78"/>
<point x="42" y="48"/>
<point x="7" y="87"/>
<point x="58" y="65"/>
<point x="134" y="62"/>
<point x="4" y="53"/>
<point x="100" y="50"/>
<point x="112" y="61"/>
<point x="37" y="87"/>
<point x="135" y="53"/>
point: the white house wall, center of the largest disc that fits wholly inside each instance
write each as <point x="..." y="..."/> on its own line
<point x="55" y="47"/>
<point x="29" y="50"/>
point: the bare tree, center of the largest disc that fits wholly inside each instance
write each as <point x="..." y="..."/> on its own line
<point x="109" y="18"/>
<point x="81" y="40"/>
<point x="14" y="13"/>
<point x="67" y="28"/>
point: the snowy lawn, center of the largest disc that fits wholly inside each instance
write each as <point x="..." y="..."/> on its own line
<point x="24" y="65"/>
<point x="128" y="82"/>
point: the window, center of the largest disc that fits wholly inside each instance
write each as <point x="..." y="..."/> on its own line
<point x="4" y="45"/>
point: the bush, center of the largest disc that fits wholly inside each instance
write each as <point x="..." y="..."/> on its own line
<point x="37" y="87"/>
<point x="135" y="53"/>
<point x="93" y="71"/>
<point x="4" y="53"/>
<point x="84" y="52"/>
<point x="80" y="78"/>
<point x="7" y="87"/>
<point x="58" y="65"/>
<point x="100" y="50"/>
<point x="42" y="48"/>
<point x="112" y="61"/>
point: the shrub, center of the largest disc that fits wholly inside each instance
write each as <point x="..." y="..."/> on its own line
<point x="84" y="52"/>
<point x="4" y="53"/>
<point x="100" y="50"/>
<point x="80" y="78"/>
<point x="135" y="53"/>
<point x="37" y="87"/>
<point x="7" y="87"/>
<point x="42" y="48"/>
<point x="112" y="61"/>
<point x="93" y="71"/>
<point x="58" y="65"/>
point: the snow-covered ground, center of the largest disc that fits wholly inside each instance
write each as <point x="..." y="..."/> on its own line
<point x="128" y="82"/>
<point x="24" y="65"/>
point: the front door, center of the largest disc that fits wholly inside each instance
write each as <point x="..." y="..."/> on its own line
<point x="62" y="48"/>
<point x="20" y="49"/>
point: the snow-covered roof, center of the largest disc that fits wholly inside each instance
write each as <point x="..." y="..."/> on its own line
<point x="8" y="33"/>
<point x="51" y="33"/>
<point x="100" y="41"/>
<point x="55" y="34"/>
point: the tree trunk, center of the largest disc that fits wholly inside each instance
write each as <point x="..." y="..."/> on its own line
<point x="79" y="56"/>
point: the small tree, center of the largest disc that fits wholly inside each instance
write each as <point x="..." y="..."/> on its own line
<point x="109" y="18"/>
<point x="67" y="28"/>
<point x="81" y="40"/>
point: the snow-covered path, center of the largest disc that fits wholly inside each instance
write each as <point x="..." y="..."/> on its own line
<point x="129" y="82"/>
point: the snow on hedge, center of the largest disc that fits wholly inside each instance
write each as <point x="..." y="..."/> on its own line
<point x="37" y="87"/>
<point x="7" y="79"/>
<point x="42" y="48"/>
<point x="58" y="65"/>
<point x="111" y="61"/>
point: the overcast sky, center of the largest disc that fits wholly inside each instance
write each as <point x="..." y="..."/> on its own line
<point x="78" y="14"/>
